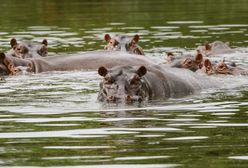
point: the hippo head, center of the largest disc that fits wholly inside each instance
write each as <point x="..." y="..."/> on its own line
<point x="216" y="47"/>
<point x="123" y="43"/>
<point x="6" y="64"/>
<point x="207" y="67"/>
<point x="27" y="49"/>
<point x="222" y="68"/>
<point x="122" y="84"/>
<point x="188" y="62"/>
<point x="21" y="70"/>
<point x="169" y="57"/>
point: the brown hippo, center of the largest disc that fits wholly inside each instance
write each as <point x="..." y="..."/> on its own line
<point x="123" y="43"/>
<point x="215" y="48"/>
<point x="138" y="83"/>
<point x="27" y="49"/>
<point x="82" y="61"/>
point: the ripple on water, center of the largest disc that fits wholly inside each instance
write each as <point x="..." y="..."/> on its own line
<point x="141" y="157"/>
<point x="109" y="166"/>
<point x="186" y="138"/>
<point x="82" y="133"/>
<point x="76" y="157"/>
<point x="238" y="157"/>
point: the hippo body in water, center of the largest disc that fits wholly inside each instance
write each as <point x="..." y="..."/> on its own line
<point x="138" y="83"/>
<point x="139" y="75"/>
<point x="28" y="49"/>
<point x="81" y="61"/>
<point x="215" y="48"/>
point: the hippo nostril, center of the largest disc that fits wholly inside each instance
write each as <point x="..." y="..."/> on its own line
<point x="140" y="99"/>
<point x="111" y="98"/>
<point x="128" y="98"/>
<point x="134" y="98"/>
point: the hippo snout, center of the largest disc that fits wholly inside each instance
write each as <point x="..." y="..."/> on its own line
<point x="124" y="98"/>
<point x="134" y="98"/>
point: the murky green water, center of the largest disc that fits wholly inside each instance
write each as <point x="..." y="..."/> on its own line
<point x="54" y="119"/>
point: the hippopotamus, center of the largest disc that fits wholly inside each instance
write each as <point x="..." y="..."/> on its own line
<point x="215" y="48"/>
<point x="123" y="43"/>
<point x="21" y="70"/>
<point x="187" y="61"/>
<point x="81" y="61"/>
<point x="150" y="82"/>
<point x="28" y="49"/>
<point x="229" y="68"/>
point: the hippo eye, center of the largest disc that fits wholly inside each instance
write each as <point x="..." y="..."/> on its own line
<point x="189" y="62"/>
<point x="135" y="80"/>
<point x="108" y="80"/>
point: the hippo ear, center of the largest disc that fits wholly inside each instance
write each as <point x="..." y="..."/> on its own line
<point x="9" y="65"/>
<point x="44" y="42"/>
<point x="207" y="46"/>
<point x="107" y="37"/>
<point x="198" y="57"/>
<point x="2" y="57"/>
<point x="141" y="71"/>
<point x="207" y="63"/>
<point x="135" y="38"/>
<point x="30" y="66"/>
<point x="102" y="71"/>
<point x="13" y="42"/>
<point x="169" y="54"/>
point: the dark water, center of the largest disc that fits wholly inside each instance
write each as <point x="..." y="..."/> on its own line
<point x="53" y="119"/>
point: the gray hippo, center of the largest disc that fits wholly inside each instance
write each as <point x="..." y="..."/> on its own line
<point x="123" y="43"/>
<point x="215" y="48"/>
<point x="229" y="69"/>
<point x="81" y="61"/>
<point x="139" y="83"/>
<point x="222" y="67"/>
<point x="187" y="61"/>
<point x="28" y="49"/>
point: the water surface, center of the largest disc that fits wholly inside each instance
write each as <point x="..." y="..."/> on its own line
<point x="53" y="119"/>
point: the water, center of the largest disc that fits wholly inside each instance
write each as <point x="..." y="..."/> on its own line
<point x="53" y="119"/>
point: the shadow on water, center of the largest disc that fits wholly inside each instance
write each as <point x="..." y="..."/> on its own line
<point x="54" y="119"/>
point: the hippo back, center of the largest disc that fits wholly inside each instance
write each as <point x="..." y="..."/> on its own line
<point x="89" y="61"/>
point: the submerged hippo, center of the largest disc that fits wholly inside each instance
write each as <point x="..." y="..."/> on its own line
<point x="188" y="61"/>
<point x="82" y="61"/>
<point x="28" y="49"/>
<point x="215" y="48"/>
<point x="123" y="43"/>
<point x="229" y="69"/>
<point x="138" y="83"/>
<point x="222" y="67"/>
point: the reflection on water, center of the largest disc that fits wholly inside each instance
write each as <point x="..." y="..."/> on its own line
<point x="53" y="119"/>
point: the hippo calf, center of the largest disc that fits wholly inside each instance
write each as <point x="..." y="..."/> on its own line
<point x="123" y="43"/>
<point x="28" y="49"/>
<point x="139" y="83"/>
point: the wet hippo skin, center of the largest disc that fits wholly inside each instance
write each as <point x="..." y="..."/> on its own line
<point x="123" y="43"/>
<point x="87" y="61"/>
<point x="138" y="83"/>
<point x="28" y="49"/>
